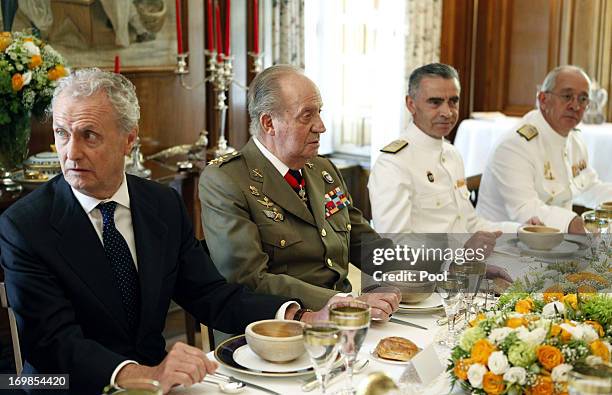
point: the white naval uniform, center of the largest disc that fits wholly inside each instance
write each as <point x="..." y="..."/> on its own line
<point x="404" y="200"/>
<point x="541" y="177"/>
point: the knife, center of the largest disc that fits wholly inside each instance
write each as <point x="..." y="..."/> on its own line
<point x="402" y="322"/>
<point x="254" y="386"/>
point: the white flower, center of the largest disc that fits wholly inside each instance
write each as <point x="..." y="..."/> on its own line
<point x="575" y="331"/>
<point x="27" y="77"/>
<point x="589" y="334"/>
<point x="31" y="48"/>
<point x="559" y="372"/>
<point x="549" y="309"/>
<point x="534" y="337"/>
<point x="498" y="335"/>
<point x="516" y="374"/>
<point x="498" y="363"/>
<point x="475" y="374"/>
<point x="593" y="360"/>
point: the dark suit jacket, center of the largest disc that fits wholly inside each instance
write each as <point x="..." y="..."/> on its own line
<point x="68" y="307"/>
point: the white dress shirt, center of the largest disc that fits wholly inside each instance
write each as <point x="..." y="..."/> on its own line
<point x="123" y="223"/>
<point x="541" y="177"/>
<point x="422" y="189"/>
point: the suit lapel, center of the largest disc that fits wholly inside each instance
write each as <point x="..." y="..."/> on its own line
<point x="149" y="234"/>
<point x="274" y="185"/>
<point x="82" y="249"/>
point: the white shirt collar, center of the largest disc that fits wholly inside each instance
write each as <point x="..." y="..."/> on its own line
<point x="278" y="164"/>
<point x="538" y="120"/>
<point x="89" y="203"/>
<point x="418" y="137"/>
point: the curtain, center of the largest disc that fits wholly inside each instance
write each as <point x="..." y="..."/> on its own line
<point x="288" y="32"/>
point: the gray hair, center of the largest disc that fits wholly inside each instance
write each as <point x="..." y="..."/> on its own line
<point x="430" y="70"/>
<point x="265" y="93"/>
<point x="120" y="91"/>
<point x="550" y="81"/>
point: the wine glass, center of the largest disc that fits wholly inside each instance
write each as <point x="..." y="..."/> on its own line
<point x="452" y="291"/>
<point x="474" y="272"/>
<point x="604" y="214"/>
<point x="322" y="340"/>
<point x="353" y="319"/>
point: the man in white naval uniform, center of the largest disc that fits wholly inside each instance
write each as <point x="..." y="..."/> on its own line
<point x="542" y="166"/>
<point x="418" y="182"/>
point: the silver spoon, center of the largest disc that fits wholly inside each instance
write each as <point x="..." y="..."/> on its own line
<point x="232" y="387"/>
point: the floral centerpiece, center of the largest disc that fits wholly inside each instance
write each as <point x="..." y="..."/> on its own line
<point x="529" y="343"/>
<point x="29" y="70"/>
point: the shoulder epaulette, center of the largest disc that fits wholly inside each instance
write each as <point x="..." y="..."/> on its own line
<point x="224" y="158"/>
<point x="528" y="132"/>
<point x="395" y="146"/>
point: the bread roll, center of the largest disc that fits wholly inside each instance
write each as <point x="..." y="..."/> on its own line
<point x="396" y="348"/>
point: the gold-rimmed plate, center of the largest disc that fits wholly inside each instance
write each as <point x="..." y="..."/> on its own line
<point x="235" y="354"/>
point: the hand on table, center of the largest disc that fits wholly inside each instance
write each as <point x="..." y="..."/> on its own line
<point x="184" y="365"/>
<point x="483" y="240"/>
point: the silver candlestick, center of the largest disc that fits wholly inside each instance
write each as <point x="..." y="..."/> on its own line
<point x="221" y="82"/>
<point x="257" y="65"/>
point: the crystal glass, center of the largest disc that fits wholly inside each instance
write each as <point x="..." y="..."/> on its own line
<point x="452" y="291"/>
<point x="474" y="272"/>
<point x="353" y="320"/>
<point x="604" y="215"/>
<point x="322" y="340"/>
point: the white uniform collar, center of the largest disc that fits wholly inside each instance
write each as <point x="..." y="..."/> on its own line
<point x="278" y="164"/>
<point x="536" y="118"/>
<point x="417" y="137"/>
<point x="89" y="203"/>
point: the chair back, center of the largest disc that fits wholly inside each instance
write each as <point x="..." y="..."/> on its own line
<point x="13" y="327"/>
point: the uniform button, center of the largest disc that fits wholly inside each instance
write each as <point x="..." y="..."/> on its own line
<point x="283" y="243"/>
<point x="348" y="227"/>
<point x="323" y="232"/>
<point x="329" y="262"/>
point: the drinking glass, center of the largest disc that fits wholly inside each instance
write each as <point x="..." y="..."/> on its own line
<point x="604" y="215"/>
<point x="322" y="340"/>
<point x="474" y="272"/>
<point x="353" y="320"/>
<point x="452" y="292"/>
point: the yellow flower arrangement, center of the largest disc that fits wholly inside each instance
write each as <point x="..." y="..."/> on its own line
<point x="599" y="349"/>
<point x="515" y="322"/>
<point x="552" y="296"/>
<point x="461" y="368"/>
<point x="597" y="326"/>
<point x="571" y="300"/>
<point x="543" y="386"/>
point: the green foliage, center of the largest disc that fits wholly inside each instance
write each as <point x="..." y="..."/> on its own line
<point x="598" y="308"/>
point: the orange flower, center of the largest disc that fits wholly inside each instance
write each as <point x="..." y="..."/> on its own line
<point x="35" y="62"/>
<point x="17" y="82"/>
<point x="56" y="72"/>
<point x="571" y="300"/>
<point x="597" y="326"/>
<point x="478" y="318"/>
<point x="461" y="368"/>
<point x="493" y="384"/>
<point x="599" y="349"/>
<point x="481" y="350"/>
<point x="5" y="40"/>
<point x="586" y="289"/>
<point x="30" y="39"/>
<point x="515" y="322"/>
<point x="524" y="306"/>
<point x="552" y="296"/>
<point x="555" y="330"/>
<point x="549" y="356"/>
<point x="543" y="386"/>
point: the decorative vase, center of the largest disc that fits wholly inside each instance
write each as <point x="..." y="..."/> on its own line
<point x="14" y="139"/>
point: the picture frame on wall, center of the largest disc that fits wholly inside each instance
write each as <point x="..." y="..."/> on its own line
<point x="88" y="33"/>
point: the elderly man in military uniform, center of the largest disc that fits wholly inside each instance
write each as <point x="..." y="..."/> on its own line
<point x="277" y="217"/>
<point x="542" y="167"/>
<point x="418" y="183"/>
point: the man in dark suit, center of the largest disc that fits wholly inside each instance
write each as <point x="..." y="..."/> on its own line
<point x="93" y="257"/>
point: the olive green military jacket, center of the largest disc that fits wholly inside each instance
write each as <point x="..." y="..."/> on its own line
<point x="261" y="234"/>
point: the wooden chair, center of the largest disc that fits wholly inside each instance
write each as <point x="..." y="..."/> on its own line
<point x="13" y="327"/>
<point x="473" y="184"/>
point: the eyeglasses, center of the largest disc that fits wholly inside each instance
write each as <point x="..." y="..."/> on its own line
<point x="582" y="99"/>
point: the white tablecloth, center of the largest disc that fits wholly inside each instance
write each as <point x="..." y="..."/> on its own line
<point x="476" y="138"/>
<point x="376" y="332"/>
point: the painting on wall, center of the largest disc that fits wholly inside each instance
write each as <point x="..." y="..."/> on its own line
<point x="92" y="32"/>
